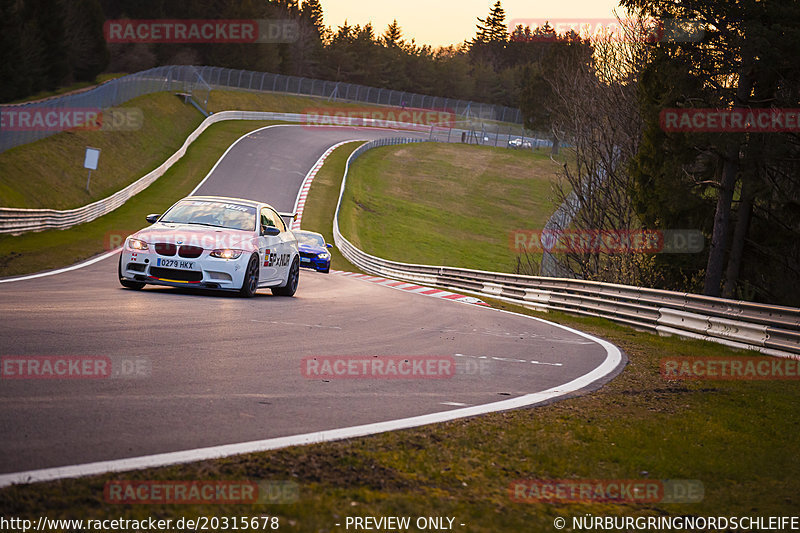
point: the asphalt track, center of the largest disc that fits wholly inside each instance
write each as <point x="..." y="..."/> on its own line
<point x="225" y="370"/>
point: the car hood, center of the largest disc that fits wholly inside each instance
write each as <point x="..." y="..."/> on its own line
<point x="206" y="237"/>
<point x="310" y="249"/>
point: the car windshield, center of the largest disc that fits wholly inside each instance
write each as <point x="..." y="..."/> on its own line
<point x="210" y="213"/>
<point x="311" y="239"/>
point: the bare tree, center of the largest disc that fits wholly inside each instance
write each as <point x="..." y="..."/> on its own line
<point x="596" y="111"/>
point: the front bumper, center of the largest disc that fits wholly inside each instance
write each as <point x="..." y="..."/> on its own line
<point x="202" y="272"/>
<point x="320" y="265"/>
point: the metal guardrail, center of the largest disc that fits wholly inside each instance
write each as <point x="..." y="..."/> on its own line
<point x="106" y="95"/>
<point x="16" y="220"/>
<point x="769" y="329"/>
<point x="198" y="81"/>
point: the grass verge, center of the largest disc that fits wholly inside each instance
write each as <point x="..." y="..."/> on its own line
<point x="285" y="103"/>
<point x="34" y="252"/>
<point x="446" y="204"/>
<point x="49" y="173"/>
<point x="125" y="157"/>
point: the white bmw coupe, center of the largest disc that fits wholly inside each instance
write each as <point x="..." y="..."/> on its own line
<point x="214" y="242"/>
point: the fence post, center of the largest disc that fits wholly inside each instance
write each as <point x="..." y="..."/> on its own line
<point x="172" y="78"/>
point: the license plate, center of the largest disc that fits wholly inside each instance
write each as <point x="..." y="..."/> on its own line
<point x="305" y="260"/>
<point x="175" y="263"/>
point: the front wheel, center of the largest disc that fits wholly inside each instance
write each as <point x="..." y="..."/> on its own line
<point x="250" y="281"/>
<point x="291" y="281"/>
<point x="128" y="284"/>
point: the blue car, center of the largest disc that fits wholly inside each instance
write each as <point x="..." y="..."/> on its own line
<point x="313" y="251"/>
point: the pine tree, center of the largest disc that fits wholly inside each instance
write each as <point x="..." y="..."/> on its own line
<point x="312" y="12"/>
<point x="86" y="46"/>
<point x="19" y="57"/>
<point x="47" y="20"/>
<point x="493" y="29"/>
<point x="393" y="36"/>
<point x="745" y="59"/>
<point x="489" y="44"/>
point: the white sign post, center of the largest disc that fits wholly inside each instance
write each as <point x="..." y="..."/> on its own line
<point x="90" y="162"/>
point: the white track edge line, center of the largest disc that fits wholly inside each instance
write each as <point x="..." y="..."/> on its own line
<point x="111" y="253"/>
<point x="609" y="365"/>
<point x="611" y="362"/>
<point x="62" y="270"/>
<point x="106" y="255"/>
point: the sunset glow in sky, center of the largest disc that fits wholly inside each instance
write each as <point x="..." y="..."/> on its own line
<point x="444" y="22"/>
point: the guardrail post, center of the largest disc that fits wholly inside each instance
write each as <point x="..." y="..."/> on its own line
<point x="170" y="78"/>
<point x="628" y="305"/>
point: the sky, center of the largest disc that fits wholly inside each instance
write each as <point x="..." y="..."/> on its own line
<point x="445" y="22"/>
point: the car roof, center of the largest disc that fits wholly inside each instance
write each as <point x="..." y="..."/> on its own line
<point x="230" y="199"/>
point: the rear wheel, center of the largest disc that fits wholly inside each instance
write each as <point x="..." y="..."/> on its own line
<point x="291" y="281"/>
<point x="128" y="284"/>
<point x="250" y="282"/>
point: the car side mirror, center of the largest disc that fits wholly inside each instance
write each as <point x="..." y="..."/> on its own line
<point x="270" y="231"/>
<point x="153" y="218"/>
<point x="328" y="245"/>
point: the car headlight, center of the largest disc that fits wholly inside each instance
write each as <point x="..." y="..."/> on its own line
<point x="136" y="244"/>
<point x="324" y="255"/>
<point x="226" y="253"/>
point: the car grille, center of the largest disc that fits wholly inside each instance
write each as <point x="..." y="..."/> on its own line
<point x="190" y="251"/>
<point x="177" y="275"/>
<point x="137" y="267"/>
<point x="308" y="255"/>
<point x="163" y="248"/>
